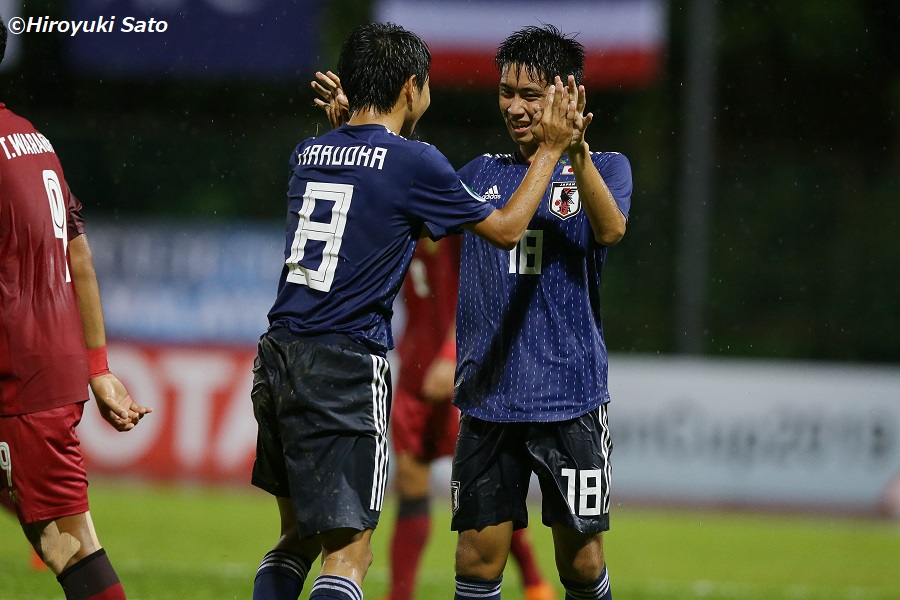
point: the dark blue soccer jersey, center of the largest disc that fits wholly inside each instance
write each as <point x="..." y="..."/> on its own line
<point x="358" y="199"/>
<point x="530" y="343"/>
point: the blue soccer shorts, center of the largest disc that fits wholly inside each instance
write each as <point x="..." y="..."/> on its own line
<point x="493" y="464"/>
<point x="322" y="407"/>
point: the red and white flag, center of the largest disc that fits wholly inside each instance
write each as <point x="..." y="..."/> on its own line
<point x="624" y="39"/>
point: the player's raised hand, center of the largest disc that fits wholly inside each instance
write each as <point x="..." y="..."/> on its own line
<point x="333" y="100"/>
<point x="115" y="403"/>
<point x="581" y="122"/>
<point x="553" y="123"/>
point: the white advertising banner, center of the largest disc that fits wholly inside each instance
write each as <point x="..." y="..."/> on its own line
<point x="738" y="432"/>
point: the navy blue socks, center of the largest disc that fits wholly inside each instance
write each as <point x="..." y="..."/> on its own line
<point x="597" y="590"/>
<point x="280" y="576"/>
<point x="470" y="588"/>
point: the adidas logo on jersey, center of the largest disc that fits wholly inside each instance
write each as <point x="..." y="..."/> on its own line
<point x="492" y="194"/>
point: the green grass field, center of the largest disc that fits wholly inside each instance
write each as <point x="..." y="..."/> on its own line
<point x="169" y="543"/>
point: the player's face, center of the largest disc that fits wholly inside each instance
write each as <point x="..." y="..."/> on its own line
<point x="520" y="99"/>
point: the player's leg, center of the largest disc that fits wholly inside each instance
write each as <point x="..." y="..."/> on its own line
<point x="70" y="548"/>
<point x="489" y="486"/>
<point x="332" y="418"/>
<point x="482" y="553"/>
<point x="37" y="563"/>
<point x="480" y="559"/>
<point x="284" y="569"/>
<point x="572" y="460"/>
<point x="581" y="564"/>
<point x="52" y="502"/>
<point x="64" y="541"/>
<point x="413" y="526"/>
<point x="346" y="557"/>
<point x="536" y="588"/>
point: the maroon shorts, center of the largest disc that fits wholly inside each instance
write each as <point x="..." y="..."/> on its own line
<point x="427" y="431"/>
<point x="41" y="465"/>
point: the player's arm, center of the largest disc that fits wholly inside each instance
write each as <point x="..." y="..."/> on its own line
<point x="607" y="221"/>
<point x="113" y="400"/>
<point x="553" y="129"/>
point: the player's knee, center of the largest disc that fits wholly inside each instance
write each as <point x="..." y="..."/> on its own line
<point x="289" y="539"/>
<point x="478" y="559"/>
<point x="348" y="547"/>
<point x="361" y="555"/>
<point x="289" y="542"/>
<point x="56" y="548"/>
<point x="582" y="561"/>
<point x="582" y="569"/>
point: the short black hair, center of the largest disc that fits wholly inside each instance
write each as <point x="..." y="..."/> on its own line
<point x="2" y="39"/>
<point x="376" y="60"/>
<point x="544" y="53"/>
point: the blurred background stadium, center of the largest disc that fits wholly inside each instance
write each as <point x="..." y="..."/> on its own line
<point x="752" y="311"/>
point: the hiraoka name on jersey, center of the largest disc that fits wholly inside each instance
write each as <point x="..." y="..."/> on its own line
<point x="351" y="156"/>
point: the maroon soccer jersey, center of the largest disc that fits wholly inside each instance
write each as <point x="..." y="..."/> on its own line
<point x="429" y="290"/>
<point x="43" y="363"/>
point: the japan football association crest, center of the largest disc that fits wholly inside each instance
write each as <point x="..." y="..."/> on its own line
<point x="564" y="201"/>
<point x="454" y="496"/>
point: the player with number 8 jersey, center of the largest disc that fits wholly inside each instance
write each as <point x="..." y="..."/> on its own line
<point x="358" y="198"/>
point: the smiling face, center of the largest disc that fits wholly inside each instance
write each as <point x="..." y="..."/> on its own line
<point x="520" y="99"/>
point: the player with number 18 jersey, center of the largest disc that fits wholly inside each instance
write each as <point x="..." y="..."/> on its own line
<point x="530" y="338"/>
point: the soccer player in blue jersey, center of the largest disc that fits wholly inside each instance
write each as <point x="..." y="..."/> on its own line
<point x="359" y="197"/>
<point x="531" y="379"/>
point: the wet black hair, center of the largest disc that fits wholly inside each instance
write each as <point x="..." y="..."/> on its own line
<point x="376" y="60"/>
<point x="544" y="53"/>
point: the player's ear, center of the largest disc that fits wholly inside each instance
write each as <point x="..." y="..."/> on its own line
<point x="409" y="90"/>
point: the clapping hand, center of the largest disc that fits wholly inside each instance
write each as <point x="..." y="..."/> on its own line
<point x="553" y="122"/>
<point x="581" y="121"/>
<point x="333" y="100"/>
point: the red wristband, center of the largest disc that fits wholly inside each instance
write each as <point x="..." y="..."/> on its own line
<point x="448" y="350"/>
<point x="97" y="364"/>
